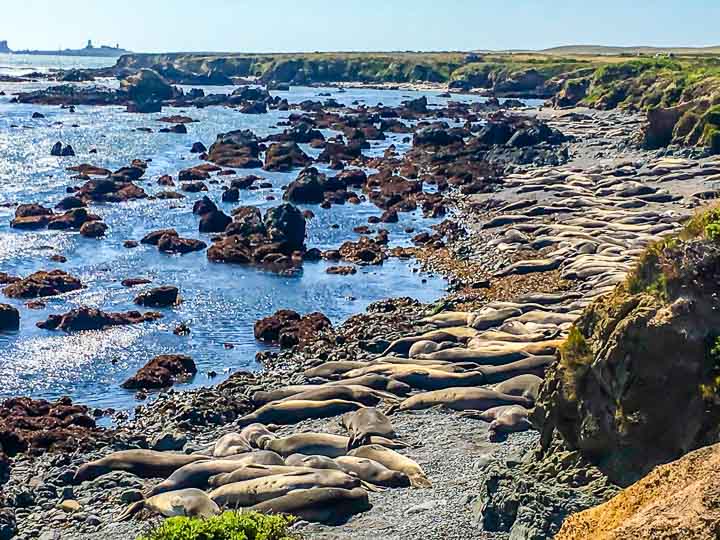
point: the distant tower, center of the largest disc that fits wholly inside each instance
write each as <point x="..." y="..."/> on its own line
<point x="89" y="45"/>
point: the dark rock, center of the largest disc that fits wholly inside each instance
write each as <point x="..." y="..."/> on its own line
<point x="285" y="157"/>
<point x="162" y="372"/>
<point x="70" y="202"/>
<point x="204" y="206"/>
<point x="231" y="195"/>
<point x="214" y="221"/>
<point x="164" y="296"/>
<point x="287" y="328"/>
<point x="93" y="229"/>
<point x="9" y="319"/>
<point x="131" y="282"/>
<point x="198" y="148"/>
<point x="236" y="149"/>
<point x="85" y="318"/>
<point x="172" y="243"/>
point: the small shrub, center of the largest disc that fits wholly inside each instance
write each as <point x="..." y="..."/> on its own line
<point x="575" y="351"/>
<point x="228" y="526"/>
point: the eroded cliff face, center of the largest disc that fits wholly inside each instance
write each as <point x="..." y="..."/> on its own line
<point x="636" y="382"/>
<point x="680" y="500"/>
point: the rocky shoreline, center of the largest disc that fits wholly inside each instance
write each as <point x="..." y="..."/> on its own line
<point x="534" y="233"/>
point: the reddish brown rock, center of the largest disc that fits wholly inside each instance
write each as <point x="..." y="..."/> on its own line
<point x="89" y="170"/>
<point x="161" y="372"/>
<point x="110" y="190"/>
<point x="42" y="284"/>
<point x="285" y="157"/>
<point x="28" y="425"/>
<point x="287" y="328"/>
<point x="132" y="282"/>
<point x="341" y="270"/>
<point x="170" y="243"/>
<point x="364" y="251"/>
<point x="93" y="229"/>
<point x="86" y="318"/>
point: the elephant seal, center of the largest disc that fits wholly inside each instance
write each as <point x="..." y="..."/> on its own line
<point x="461" y="399"/>
<point x="489" y="317"/>
<point x="393" y="461"/>
<point x="358" y="394"/>
<point x="196" y="475"/>
<point x="374" y="382"/>
<point x="534" y="365"/>
<point x="504" y="420"/>
<point x="254" y="432"/>
<point x="372" y="472"/>
<point x="447" y="319"/>
<point x="294" y="411"/>
<point x="321" y="444"/>
<point x="425" y="346"/>
<point x="432" y="379"/>
<point x="527" y="385"/>
<point x="250" y="492"/>
<point x="312" y="462"/>
<point x="364" y="423"/>
<point x="332" y="370"/>
<point x="183" y="502"/>
<point x="331" y="506"/>
<point x="251" y="472"/>
<point x="142" y="463"/>
<point x="402" y="345"/>
<point x="231" y="444"/>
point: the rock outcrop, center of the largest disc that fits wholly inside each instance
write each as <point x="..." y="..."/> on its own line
<point x="161" y="372"/>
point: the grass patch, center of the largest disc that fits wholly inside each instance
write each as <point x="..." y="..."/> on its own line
<point x="228" y="526"/>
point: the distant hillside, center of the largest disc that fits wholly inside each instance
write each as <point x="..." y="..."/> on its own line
<point x="610" y="51"/>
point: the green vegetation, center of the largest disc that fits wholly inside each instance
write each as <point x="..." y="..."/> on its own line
<point x="228" y="526"/>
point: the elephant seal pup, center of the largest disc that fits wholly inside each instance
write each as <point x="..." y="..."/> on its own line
<point x="294" y="411"/>
<point x="312" y="462"/>
<point x="425" y="346"/>
<point x="358" y="394"/>
<point x="251" y="472"/>
<point x="183" y="502"/>
<point x="231" y="444"/>
<point x="196" y="475"/>
<point x="250" y="492"/>
<point x="332" y="370"/>
<point x="364" y="423"/>
<point x="331" y="506"/>
<point x="395" y="462"/>
<point x="508" y="420"/>
<point x="461" y="399"/>
<point x="521" y="385"/>
<point x="142" y="463"/>
<point x="254" y="432"/>
<point x="372" y="472"/>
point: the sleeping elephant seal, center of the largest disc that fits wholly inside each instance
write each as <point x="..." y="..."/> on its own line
<point x="294" y="411"/>
<point x="332" y="370"/>
<point x="196" y="475"/>
<point x="254" y="432"/>
<point x="376" y="382"/>
<point x="372" y="472"/>
<point x="461" y="399"/>
<point x="447" y="319"/>
<point x="433" y="379"/>
<point x="521" y="385"/>
<point x="425" y="346"/>
<point x="358" y="394"/>
<point x="402" y="346"/>
<point x="184" y="502"/>
<point x="331" y="506"/>
<point x="142" y="463"/>
<point x="251" y="472"/>
<point x="535" y="365"/>
<point x="312" y="462"/>
<point x="250" y="492"/>
<point x="364" y="423"/>
<point x="231" y="444"/>
<point x="508" y="420"/>
<point x="393" y="461"/>
<point x="321" y="444"/>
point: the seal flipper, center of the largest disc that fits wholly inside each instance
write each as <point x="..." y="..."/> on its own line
<point x="131" y="510"/>
<point x="419" y="481"/>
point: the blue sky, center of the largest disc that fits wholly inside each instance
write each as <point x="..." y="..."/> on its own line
<point x="337" y="25"/>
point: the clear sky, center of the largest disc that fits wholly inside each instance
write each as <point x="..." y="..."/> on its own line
<point x="344" y="25"/>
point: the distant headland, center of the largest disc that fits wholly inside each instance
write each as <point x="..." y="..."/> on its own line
<point x="88" y="50"/>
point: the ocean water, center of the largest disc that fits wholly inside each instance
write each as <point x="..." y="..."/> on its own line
<point x="220" y="301"/>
